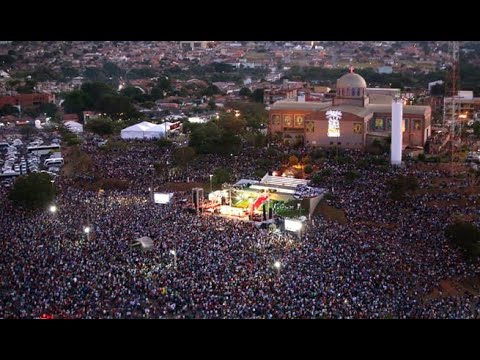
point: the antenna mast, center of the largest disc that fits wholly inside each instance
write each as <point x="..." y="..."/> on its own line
<point x="454" y="95"/>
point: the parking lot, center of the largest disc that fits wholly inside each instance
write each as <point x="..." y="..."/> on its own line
<point x="19" y="156"/>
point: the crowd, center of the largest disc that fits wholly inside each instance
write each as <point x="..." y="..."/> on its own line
<point x="386" y="261"/>
<point x="305" y="191"/>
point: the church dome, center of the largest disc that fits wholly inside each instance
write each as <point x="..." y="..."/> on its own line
<point x="351" y="80"/>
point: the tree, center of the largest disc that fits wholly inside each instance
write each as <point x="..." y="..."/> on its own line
<point x="204" y="138"/>
<point x="48" y="108"/>
<point x="306" y="160"/>
<point x="437" y="89"/>
<point x="466" y="236"/>
<point x="75" y="102"/>
<point x="164" y="84"/>
<point x="351" y="175"/>
<point x="183" y="155"/>
<point x="28" y="131"/>
<point x="6" y="59"/>
<point x="132" y="93"/>
<point x="257" y="95"/>
<point x="230" y="123"/>
<point x="245" y="92"/>
<point x="33" y="191"/>
<point x="293" y="160"/>
<point x="211" y="105"/>
<point x="317" y="180"/>
<point x="100" y="126"/>
<point x="28" y="88"/>
<point x="95" y="91"/>
<point x="222" y="175"/>
<point x="254" y="113"/>
<point x="116" y="107"/>
<point x="229" y="143"/>
<point x="69" y="72"/>
<point x="476" y="128"/>
<point x="308" y="169"/>
<point x="95" y="74"/>
<point x="157" y="93"/>
<point x="211" y="90"/>
<point x="9" y="110"/>
<point x="111" y="69"/>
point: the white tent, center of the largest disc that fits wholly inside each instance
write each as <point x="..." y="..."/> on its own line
<point x="74" y="126"/>
<point x="196" y="120"/>
<point x="136" y="131"/>
<point x="144" y="242"/>
<point x="157" y="131"/>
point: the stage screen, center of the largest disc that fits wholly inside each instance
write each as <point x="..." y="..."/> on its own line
<point x="162" y="198"/>
<point x="292" y="225"/>
<point x="333" y="117"/>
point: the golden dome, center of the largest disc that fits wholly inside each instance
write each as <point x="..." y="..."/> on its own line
<point x="351" y="80"/>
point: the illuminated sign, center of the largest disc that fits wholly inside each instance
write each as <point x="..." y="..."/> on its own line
<point x="334" y="117"/>
<point x="162" y="198"/>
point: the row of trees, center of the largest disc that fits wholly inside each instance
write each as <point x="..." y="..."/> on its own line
<point x="102" y="98"/>
<point x="256" y="96"/>
<point x="372" y="77"/>
<point x="229" y="132"/>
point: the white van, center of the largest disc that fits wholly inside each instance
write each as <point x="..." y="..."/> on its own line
<point x="56" y="161"/>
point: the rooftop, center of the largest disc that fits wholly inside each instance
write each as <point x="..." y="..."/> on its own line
<point x="295" y="105"/>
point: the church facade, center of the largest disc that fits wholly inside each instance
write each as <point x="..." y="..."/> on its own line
<point x="354" y="117"/>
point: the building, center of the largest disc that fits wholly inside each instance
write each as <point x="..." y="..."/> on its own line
<point x="70" y="117"/>
<point x="356" y="116"/>
<point x="27" y="100"/>
<point x="192" y="45"/>
<point x="385" y="70"/>
<point x="89" y="115"/>
<point x="467" y="107"/>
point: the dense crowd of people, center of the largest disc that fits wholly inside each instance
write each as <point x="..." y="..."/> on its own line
<point x="386" y="261"/>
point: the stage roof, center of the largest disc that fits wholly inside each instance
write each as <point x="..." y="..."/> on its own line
<point x="245" y="182"/>
<point x="282" y="181"/>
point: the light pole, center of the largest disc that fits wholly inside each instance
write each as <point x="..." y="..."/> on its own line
<point x="174" y="253"/>
<point x="211" y="187"/>
<point x="277" y="265"/>
<point x="53" y="209"/>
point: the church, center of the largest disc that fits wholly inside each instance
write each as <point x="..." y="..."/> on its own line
<point x="352" y="119"/>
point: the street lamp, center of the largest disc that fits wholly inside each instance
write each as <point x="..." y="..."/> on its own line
<point x="174" y="253"/>
<point x="277" y="265"/>
<point x="211" y="187"/>
<point x="86" y="230"/>
<point x="53" y="209"/>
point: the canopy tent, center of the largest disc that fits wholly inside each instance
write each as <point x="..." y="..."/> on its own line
<point x="136" y="131"/>
<point x="74" y="126"/>
<point x="144" y="242"/>
<point x="156" y="131"/>
<point x="159" y="130"/>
